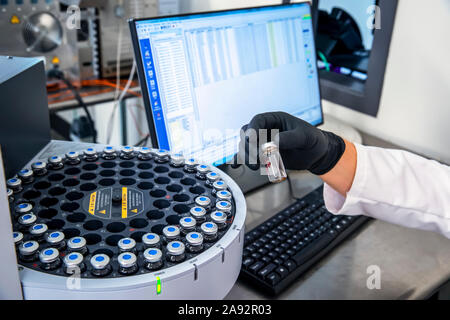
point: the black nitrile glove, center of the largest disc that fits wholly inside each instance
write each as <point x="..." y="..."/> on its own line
<point x="302" y="146"/>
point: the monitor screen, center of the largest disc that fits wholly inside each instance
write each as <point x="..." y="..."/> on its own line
<point x="206" y="75"/>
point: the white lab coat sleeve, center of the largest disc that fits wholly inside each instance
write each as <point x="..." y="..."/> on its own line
<point x="398" y="187"/>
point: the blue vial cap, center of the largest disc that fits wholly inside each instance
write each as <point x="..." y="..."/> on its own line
<point x="54" y="235"/>
<point x="194" y="235"/>
<point x="76" y="240"/>
<point x="126" y="241"/>
<point x="37" y="227"/>
<point x="175" y="245"/>
<point x="150" y="236"/>
<point x="152" y="252"/>
<point x="209" y="225"/>
<point x="171" y="229"/>
<point x="28" y="244"/>
<point x="48" y="252"/>
<point x="99" y="258"/>
<point x="126" y="257"/>
<point x="73" y="257"/>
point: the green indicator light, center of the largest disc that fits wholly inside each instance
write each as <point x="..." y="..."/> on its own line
<point x="158" y="285"/>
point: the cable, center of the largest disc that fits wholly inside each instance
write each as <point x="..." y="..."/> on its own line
<point x="117" y="102"/>
<point x="324" y="60"/>
<point x="58" y="74"/>
<point x="143" y="141"/>
<point x="119" y="52"/>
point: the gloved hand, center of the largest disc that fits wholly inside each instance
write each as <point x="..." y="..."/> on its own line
<point x="302" y="146"/>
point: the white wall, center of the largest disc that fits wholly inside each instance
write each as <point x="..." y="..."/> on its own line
<point x="415" y="105"/>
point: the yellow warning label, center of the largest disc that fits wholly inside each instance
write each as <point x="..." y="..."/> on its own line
<point x="134" y="210"/>
<point x="124" y="202"/>
<point x="15" y="19"/>
<point x="92" y="202"/>
<point x="102" y="211"/>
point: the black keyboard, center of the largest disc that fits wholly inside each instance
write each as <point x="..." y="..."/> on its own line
<point x="283" y="247"/>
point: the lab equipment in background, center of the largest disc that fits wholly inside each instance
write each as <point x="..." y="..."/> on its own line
<point x="353" y="40"/>
<point x="272" y="161"/>
<point x="39" y="29"/>
<point x="116" y="52"/>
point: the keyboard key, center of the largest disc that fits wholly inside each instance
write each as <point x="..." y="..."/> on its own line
<point x="273" y="254"/>
<point x="266" y="270"/>
<point x="305" y="254"/>
<point x="290" y="265"/>
<point x="282" y="271"/>
<point x="266" y="259"/>
<point x="254" y="268"/>
<point x="278" y="261"/>
<point x="284" y="256"/>
<point x="273" y="279"/>
<point x="290" y="252"/>
<point x="262" y="251"/>
<point x="256" y="255"/>
<point x="247" y="262"/>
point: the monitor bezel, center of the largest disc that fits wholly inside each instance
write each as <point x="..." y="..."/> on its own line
<point x="141" y="71"/>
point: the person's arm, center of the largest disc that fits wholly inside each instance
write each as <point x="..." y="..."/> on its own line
<point x="391" y="185"/>
<point x="398" y="187"/>
<point x="340" y="178"/>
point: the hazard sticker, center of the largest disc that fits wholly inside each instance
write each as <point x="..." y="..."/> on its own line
<point x="110" y="203"/>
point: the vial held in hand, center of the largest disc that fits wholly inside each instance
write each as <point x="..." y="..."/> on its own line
<point x="271" y="159"/>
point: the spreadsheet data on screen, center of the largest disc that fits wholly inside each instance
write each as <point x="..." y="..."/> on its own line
<point x="207" y="75"/>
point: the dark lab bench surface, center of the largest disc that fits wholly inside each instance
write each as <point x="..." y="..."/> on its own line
<point x="414" y="264"/>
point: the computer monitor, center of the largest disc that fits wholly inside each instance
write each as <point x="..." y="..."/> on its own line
<point x="205" y="75"/>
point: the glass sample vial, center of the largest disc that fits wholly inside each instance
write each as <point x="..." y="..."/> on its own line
<point x="127" y="153"/>
<point x="199" y="214"/>
<point x="152" y="258"/>
<point x="194" y="242"/>
<point x="73" y="262"/>
<point x="177" y="160"/>
<point x="38" y="231"/>
<point x="28" y="251"/>
<point x="100" y="265"/>
<point x="26" y="175"/>
<point x="18" y="238"/>
<point x="109" y="153"/>
<point x="90" y="154"/>
<point x="49" y="259"/>
<point x="39" y="168"/>
<point x="77" y="244"/>
<point x="175" y="251"/>
<point x="187" y="225"/>
<point x="55" y="162"/>
<point x="171" y="233"/>
<point x="127" y="263"/>
<point x="271" y="159"/>
<point x="151" y="240"/>
<point x="127" y="245"/>
<point x="144" y="154"/>
<point x="56" y="239"/>
<point x="73" y="158"/>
